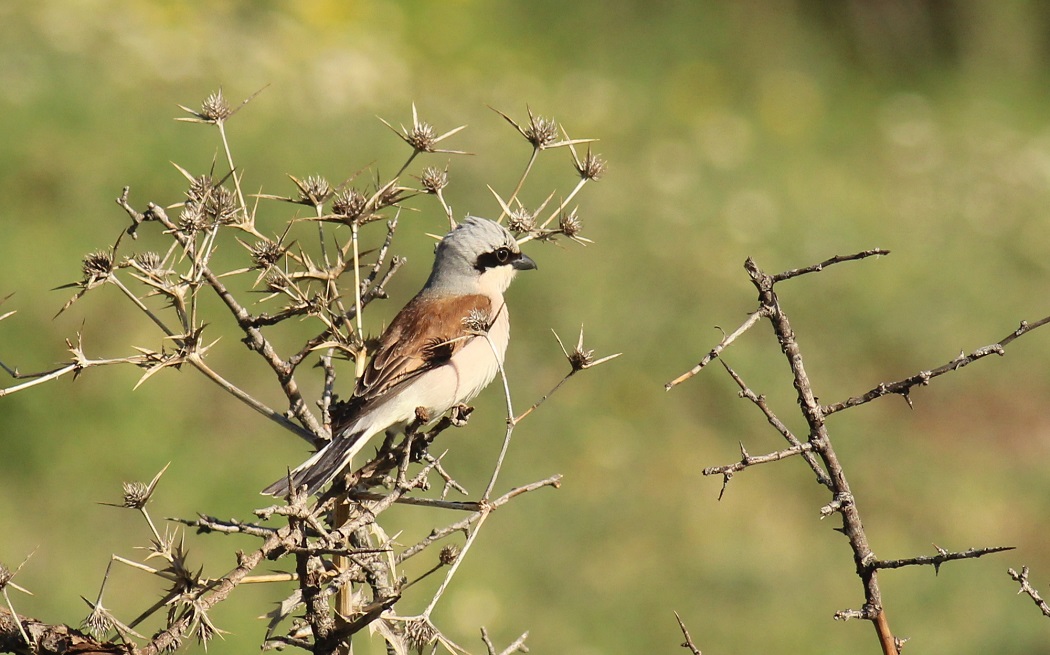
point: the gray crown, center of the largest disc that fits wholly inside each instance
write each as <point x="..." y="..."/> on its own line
<point x="456" y="258"/>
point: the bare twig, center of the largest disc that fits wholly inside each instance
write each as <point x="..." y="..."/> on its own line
<point x="688" y="643"/>
<point x="727" y="339"/>
<point x="747" y="460"/>
<point x="941" y="557"/>
<point x="922" y="378"/>
<point x="760" y="402"/>
<point x="1029" y="590"/>
<point x="837" y="259"/>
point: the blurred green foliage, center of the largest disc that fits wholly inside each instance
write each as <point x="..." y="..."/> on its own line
<point x="784" y="131"/>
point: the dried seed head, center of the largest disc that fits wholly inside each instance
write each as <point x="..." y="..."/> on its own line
<point x="419" y="634"/>
<point x="421" y="137"/>
<point x="98" y="264"/>
<point x="266" y="253"/>
<point x="276" y="283"/>
<point x="200" y="188"/>
<point x="315" y="190"/>
<point x="448" y="555"/>
<point x="434" y="179"/>
<point x="570" y="224"/>
<point x="221" y="206"/>
<point x="476" y="321"/>
<point x="148" y="261"/>
<point x="215" y="108"/>
<point x="136" y="495"/>
<point x="5" y="576"/>
<point x="207" y="205"/>
<point x="541" y="132"/>
<point x="521" y="221"/>
<point x="192" y="219"/>
<point x="592" y="167"/>
<point x="99" y="623"/>
<point x="580" y="359"/>
<point x="349" y="202"/>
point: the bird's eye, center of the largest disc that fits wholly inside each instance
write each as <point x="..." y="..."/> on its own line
<point x="502" y="255"/>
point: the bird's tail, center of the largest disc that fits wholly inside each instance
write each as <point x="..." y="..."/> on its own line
<point x="322" y="468"/>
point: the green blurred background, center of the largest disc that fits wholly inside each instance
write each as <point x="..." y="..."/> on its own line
<point x="788" y="131"/>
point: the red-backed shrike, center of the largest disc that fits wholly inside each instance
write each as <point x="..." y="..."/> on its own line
<point x="429" y="356"/>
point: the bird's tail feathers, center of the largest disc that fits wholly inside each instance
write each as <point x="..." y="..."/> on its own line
<point x="320" y="469"/>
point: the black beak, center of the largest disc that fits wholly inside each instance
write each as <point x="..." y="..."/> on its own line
<point x="523" y="263"/>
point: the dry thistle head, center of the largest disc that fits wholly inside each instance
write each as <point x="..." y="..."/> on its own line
<point x="422" y="136"/>
<point x="419" y="633"/>
<point x="349" y="203"/>
<point x="448" y="555"/>
<point x="192" y="219"/>
<point x="136" y="494"/>
<point x="570" y="224"/>
<point x="215" y="108"/>
<point x="580" y="358"/>
<point x="476" y="321"/>
<point x="434" y="179"/>
<point x="266" y="253"/>
<point x="315" y="190"/>
<point x="97" y="265"/>
<point x="148" y="261"/>
<point x="208" y="204"/>
<point x="99" y="622"/>
<point x="200" y="188"/>
<point x="276" y="283"/>
<point x="541" y="132"/>
<point x="521" y="220"/>
<point x="592" y="167"/>
<point x="221" y="206"/>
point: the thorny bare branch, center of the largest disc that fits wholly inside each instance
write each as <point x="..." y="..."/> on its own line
<point x="727" y="339"/>
<point x="818" y="449"/>
<point x="837" y="259"/>
<point x="688" y="643"/>
<point x="923" y="378"/>
<point x="797" y="446"/>
<point x="1029" y="590"/>
<point x="941" y="557"/>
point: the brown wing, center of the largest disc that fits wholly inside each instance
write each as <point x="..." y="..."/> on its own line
<point x="424" y="334"/>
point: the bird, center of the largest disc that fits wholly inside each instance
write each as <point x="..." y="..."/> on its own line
<point x="431" y="355"/>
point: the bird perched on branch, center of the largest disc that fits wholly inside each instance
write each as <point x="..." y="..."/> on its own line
<point x="432" y="354"/>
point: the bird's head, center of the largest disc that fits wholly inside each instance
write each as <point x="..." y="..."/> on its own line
<point x="478" y="256"/>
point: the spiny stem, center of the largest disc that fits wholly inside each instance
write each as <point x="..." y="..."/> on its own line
<point x="564" y="203"/>
<point x="521" y="182"/>
<point x="233" y="171"/>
